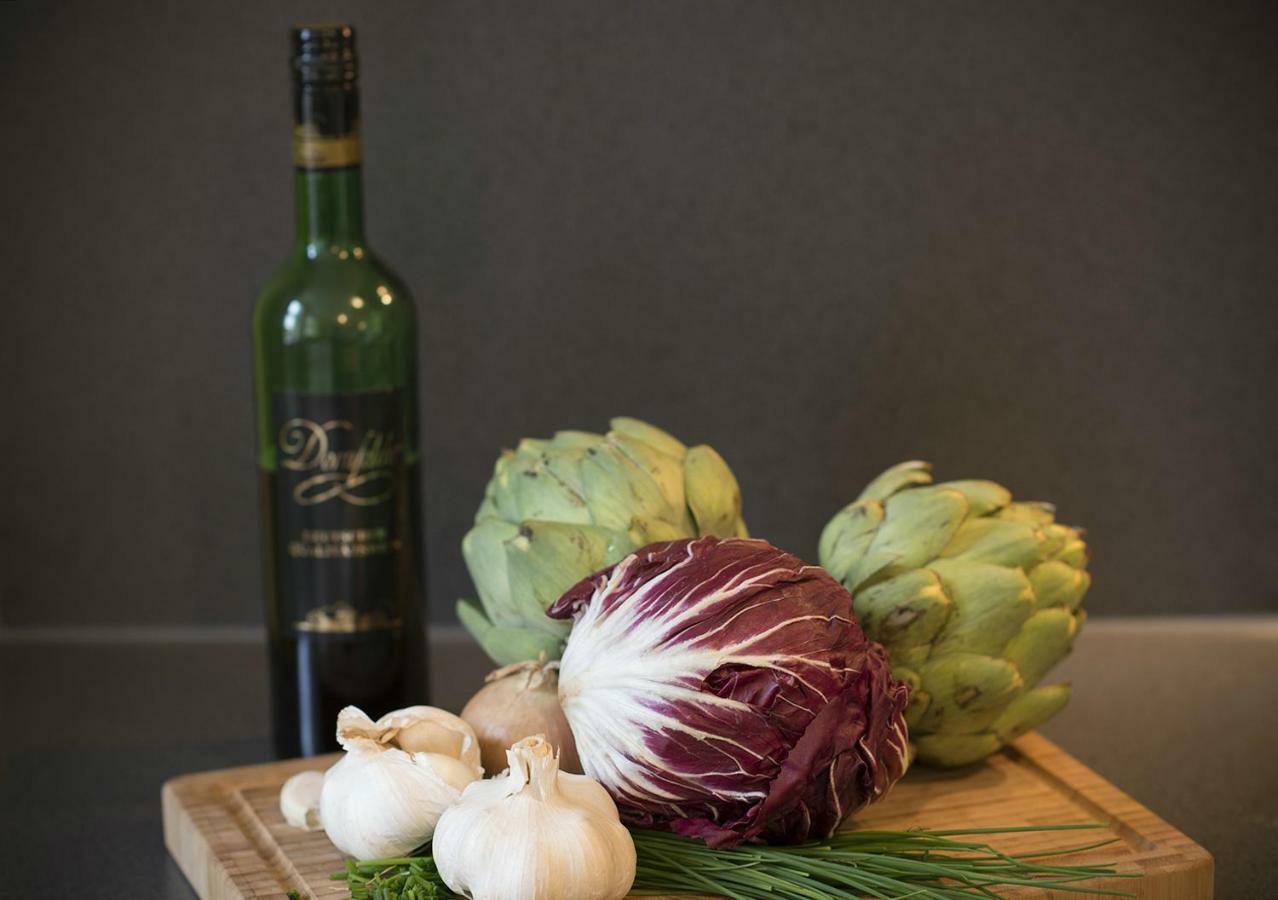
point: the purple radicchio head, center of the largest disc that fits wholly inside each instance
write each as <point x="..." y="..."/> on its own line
<point x="722" y="689"/>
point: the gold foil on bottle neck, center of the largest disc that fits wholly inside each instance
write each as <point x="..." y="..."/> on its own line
<point x="312" y="150"/>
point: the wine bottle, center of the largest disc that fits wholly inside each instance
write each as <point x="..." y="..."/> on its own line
<point x="335" y="352"/>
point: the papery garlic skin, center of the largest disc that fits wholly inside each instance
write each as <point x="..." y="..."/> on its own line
<point x="300" y="800"/>
<point x="414" y="729"/>
<point x="381" y="800"/>
<point x="534" y="833"/>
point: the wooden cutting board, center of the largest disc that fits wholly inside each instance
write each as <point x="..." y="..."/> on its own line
<point x="225" y="830"/>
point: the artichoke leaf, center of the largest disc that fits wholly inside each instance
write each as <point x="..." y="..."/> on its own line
<point x="664" y="469"/>
<point x="487" y="509"/>
<point x="618" y="491"/>
<point x="900" y="476"/>
<point x="1058" y="583"/>
<point x="651" y="435"/>
<point x="950" y="750"/>
<point x="1074" y="552"/>
<point x="713" y="495"/>
<point x="564" y="465"/>
<point x="531" y="449"/>
<point x="1030" y="710"/>
<point x="544" y="496"/>
<point x="1044" y="640"/>
<point x="484" y="551"/>
<point x="652" y="531"/>
<point x="474" y="620"/>
<point x="510" y="645"/>
<point x="903" y="612"/>
<point x="847" y="536"/>
<point x="984" y="497"/>
<point x="991" y="603"/>
<point x="1054" y="539"/>
<point x="916" y="526"/>
<point x="575" y="440"/>
<point x="911" y="657"/>
<point x="998" y="541"/>
<point x="544" y="559"/>
<point x="1033" y="512"/>
<point x="968" y="692"/>
<point x="500" y="488"/>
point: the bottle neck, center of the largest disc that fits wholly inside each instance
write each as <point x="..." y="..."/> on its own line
<point x="330" y="209"/>
<point x="326" y="154"/>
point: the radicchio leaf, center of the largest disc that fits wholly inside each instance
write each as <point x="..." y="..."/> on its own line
<point x="722" y="689"/>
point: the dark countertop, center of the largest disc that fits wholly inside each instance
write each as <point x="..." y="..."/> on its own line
<point x="1178" y="713"/>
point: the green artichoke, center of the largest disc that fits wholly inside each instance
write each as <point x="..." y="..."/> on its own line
<point x="558" y="510"/>
<point x="974" y="596"/>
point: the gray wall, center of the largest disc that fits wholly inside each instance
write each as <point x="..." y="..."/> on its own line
<point x="1029" y="241"/>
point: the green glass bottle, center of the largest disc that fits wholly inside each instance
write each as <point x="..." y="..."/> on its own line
<point x="334" y="336"/>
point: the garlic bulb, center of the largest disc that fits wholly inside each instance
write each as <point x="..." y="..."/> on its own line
<point x="534" y="833"/>
<point x="300" y="800"/>
<point x="398" y="776"/>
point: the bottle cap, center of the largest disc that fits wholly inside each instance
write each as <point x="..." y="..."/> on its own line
<point x="324" y="54"/>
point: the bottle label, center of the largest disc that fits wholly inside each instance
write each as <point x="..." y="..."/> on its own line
<point x="341" y="509"/>
<point x="313" y="149"/>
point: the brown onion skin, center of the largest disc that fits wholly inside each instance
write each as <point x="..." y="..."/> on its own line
<point x="516" y="702"/>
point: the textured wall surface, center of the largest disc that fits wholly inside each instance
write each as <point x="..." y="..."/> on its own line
<point x="1035" y="242"/>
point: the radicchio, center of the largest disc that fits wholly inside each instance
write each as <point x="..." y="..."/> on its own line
<point x="722" y="689"/>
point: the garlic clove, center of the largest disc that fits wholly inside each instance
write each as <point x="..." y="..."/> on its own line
<point x="414" y="729"/>
<point x="585" y="792"/>
<point x="451" y="772"/>
<point x="383" y="804"/>
<point x="380" y="800"/>
<point x="300" y="800"/>
<point x="431" y="737"/>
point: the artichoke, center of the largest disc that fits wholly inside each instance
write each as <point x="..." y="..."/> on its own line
<point x="558" y="510"/>
<point x="975" y="597"/>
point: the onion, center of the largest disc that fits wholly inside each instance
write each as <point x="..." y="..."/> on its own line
<point x="516" y="702"/>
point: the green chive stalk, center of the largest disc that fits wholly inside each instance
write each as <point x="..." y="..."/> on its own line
<point x="890" y="865"/>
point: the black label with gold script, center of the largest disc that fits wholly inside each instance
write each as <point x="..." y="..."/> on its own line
<point x="340" y="487"/>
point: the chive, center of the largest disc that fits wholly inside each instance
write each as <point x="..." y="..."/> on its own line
<point x="889" y="865"/>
